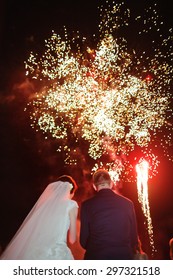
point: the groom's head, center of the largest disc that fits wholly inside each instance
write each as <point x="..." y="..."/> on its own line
<point x="102" y="180"/>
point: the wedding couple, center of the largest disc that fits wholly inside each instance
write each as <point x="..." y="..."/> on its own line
<point x="108" y="224"/>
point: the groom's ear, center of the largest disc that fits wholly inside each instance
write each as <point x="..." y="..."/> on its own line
<point x="94" y="187"/>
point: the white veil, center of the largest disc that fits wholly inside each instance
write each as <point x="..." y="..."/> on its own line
<point x="43" y="224"/>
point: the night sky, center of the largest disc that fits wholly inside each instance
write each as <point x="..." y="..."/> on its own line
<point x="27" y="162"/>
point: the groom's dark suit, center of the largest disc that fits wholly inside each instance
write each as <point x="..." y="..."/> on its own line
<point x="108" y="227"/>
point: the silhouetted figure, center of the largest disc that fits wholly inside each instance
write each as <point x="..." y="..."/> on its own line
<point x="48" y="226"/>
<point x="108" y="223"/>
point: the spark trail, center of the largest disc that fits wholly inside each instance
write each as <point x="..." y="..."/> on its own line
<point x="142" y="187"/>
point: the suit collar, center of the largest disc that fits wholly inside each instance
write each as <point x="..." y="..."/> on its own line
<point x="104" y="192"/>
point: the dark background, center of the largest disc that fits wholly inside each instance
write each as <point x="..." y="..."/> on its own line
<point x="27" y="162"/>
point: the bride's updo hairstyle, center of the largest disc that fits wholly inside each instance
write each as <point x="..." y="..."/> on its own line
<point x="69" y="179"/>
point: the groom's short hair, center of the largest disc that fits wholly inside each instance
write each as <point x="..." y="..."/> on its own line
<point x="101" y="177"/>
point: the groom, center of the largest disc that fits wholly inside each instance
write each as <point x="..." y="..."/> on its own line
<point x="108" y="223"/>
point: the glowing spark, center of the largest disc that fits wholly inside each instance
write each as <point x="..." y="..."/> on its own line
<point x="142" y="186"/>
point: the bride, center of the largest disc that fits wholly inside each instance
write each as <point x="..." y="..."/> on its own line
<point x="44" y="232"/>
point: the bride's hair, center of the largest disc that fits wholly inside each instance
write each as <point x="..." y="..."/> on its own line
<point x="69" y="179"/>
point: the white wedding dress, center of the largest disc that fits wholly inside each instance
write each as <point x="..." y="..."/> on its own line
<point x="43" y="234"/>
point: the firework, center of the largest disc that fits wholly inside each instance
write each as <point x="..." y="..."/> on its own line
<point x="142" y="187"/>
<point x="113" y="97"/>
